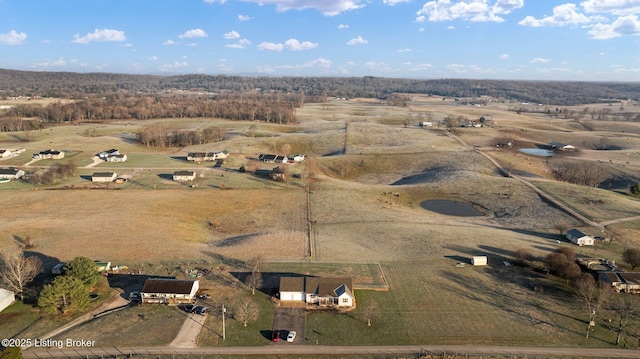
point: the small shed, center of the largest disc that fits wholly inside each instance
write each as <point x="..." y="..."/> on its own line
<point x="479" y="260"/>
<point x="7" y="298"/>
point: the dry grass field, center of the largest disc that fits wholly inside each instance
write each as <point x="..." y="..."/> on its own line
<point x="370" y="175"/>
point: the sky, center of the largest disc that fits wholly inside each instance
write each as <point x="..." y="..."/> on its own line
<point x="590" y="40"/>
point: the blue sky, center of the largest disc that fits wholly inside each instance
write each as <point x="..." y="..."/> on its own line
<point x="484" y="39"/>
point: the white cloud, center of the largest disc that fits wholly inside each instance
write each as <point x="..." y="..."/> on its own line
<point x="100" y="35"/>
<point x="504" y="57"/>
<point x="357" y="41"/>
<point x="326" y="7"/>
<point x="295" y="45"/>
<point x="404" y="50"/>
<point x="540" y="60"/>
<point x="506" y="6"/>
<point x="394" y="2"/>
<point x="470" y="10"/>
<point x="153" y="58"/>
<point x="232" y="35"/>
<point x="171" y="67"/>
<point x="241" y="44"/>
<point x="193" y="33"/>
<point x="215" y="1"/>
<point x="291" y="44"/>
<point x="270" y="46"/>
<point x="343" y="26"/>
<point x="615" y="7"/>
<point x="243" y="18"/>
<point x="48" y="63"/>
<point x="563" y="15"/>
<point x="13" y="38"/>
<point x="168" y="43"/>
<point x="624" y="25"/>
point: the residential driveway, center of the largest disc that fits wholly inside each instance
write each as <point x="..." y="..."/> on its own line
<point x="287" y="319"/>
<point x="189" y="332"/>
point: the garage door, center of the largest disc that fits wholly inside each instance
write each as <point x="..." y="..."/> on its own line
<point x="291" y="296"/>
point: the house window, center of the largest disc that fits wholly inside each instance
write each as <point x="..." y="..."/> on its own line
<point x="345" y="300"/>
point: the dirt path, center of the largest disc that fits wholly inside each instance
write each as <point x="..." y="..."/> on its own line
<point x="335" y="351"/>
<point x="543" y="194"/>
<point x="188" y="335"/>
<point x="96" y="161"/>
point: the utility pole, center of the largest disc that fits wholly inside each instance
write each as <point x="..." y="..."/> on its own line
<point x="224" y="310"/>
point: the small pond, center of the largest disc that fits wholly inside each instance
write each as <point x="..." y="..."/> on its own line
<point x="452" y="208"/>
<point x="537" y="152"/>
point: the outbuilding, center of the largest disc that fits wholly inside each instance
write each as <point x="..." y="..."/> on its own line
<point x="7" y="298"/>
<point x="479" y="260"/>
<point x="103" y="177"/>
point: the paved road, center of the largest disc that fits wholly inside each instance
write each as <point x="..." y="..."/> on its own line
<point x="312" y="349"/>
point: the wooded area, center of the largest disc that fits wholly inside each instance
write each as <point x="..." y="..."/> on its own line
<point x="72" y="85"/>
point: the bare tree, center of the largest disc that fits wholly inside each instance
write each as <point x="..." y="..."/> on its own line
<point x="626" y="307"/>
<point x="524" y="255"/>
<point x="632" y="256"/>
<point x="254" y="280"/>
<point x="16" y="271"/>
<point x="246" y="312"/>
<point x="593" y="295"/>
<point x="371" y="311"/>
<point x="560" y="225"/>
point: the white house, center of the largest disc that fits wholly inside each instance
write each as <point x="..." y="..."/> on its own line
<point x="334" y="292"/>
<point x="11" y="173"/>
<point x="561" y="146"/>
<point x="272" y="158"/>
<point x="297" y="158"/>
<point x="7" y="297"/>
<point x="117" y="158"/>
<point x="580" y="238"/>
<point x="5" y="153"/>
<point x="169" y="291"/>
<point x="108" y="153"/>
<point x="184" y="175"/>
<point x="103" y="177"/>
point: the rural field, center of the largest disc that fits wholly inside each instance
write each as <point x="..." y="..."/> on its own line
<point x="356" y="203"/>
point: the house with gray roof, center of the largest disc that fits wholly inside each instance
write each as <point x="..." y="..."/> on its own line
<point x="324" y="292"/>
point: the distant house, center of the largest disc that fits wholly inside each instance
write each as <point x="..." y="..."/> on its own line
<point x="426" y="124"/>
<point x="207" y="156"/>
<point x="184" y="175"/>
<point x="561" y="146"/>
<point x="626" y="282"/>
<point x="11" y="173"/>
<point x="49" y="154"/>
<point x="169" y="291"/>
<point x="7" y="297"/>
<point x="201" y="156"/>
<point x="5" y="153"/>
<point x="333" y="292"/>
<point x="272" y="158"/>
<point x="103" y="177"/>
<point x="117" y="158"/>
<point x="297" y="158"/>
<point x="580" y="238"/>
<point x="106" y="154"/>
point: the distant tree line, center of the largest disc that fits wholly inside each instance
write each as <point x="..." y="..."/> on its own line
<point x="580" y="173"/>
<point x="275" y="108"/>
<point x="159" y="135"/>
<point x="78" y="85"/>
<point x="52" y="174"/>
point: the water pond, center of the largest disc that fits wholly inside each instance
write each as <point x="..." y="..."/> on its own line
<point x="537" y="152"/>
<point x="451" y="208"/>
